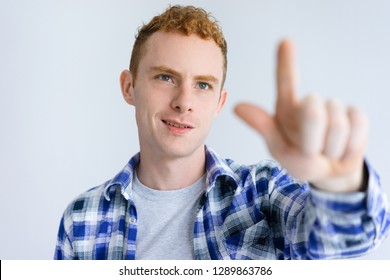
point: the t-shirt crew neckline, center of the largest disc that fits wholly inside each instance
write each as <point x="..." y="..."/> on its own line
<point x="184" y="193"/>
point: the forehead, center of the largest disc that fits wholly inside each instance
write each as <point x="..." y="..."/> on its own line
<point x="184" y="53"/>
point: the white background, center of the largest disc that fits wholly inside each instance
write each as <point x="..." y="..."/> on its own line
<point x="65" y="127"/>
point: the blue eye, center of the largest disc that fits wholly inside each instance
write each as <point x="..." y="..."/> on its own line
<point x="165" y="78"/>
<point x="203" y="85"/>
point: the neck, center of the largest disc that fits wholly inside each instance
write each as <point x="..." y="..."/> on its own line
<point x="171" y="173"/>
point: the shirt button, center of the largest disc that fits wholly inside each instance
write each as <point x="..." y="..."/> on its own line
<point x="133" y="220"/>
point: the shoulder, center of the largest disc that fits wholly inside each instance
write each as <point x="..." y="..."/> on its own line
<point x="98" y="198"/>
<point x="267" y="175"/>
<point x="263" y="169"/>
<point x="85" y="203"/>
<point x="217" y="165"/>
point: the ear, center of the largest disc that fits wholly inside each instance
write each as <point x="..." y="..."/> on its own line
<point x="127" y="86"/>
<point x="222" y="101"/>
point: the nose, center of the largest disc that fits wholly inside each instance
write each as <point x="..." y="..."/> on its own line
<point x="183" y="100"/>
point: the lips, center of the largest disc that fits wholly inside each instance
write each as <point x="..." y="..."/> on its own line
<point x="177" y="126"/>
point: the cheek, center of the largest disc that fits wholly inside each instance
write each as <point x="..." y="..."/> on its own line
<point x="142" y="107"/>
<point x="212" y="107"/>
<point x="208" y="113"/>
<point x="148" y="105"/>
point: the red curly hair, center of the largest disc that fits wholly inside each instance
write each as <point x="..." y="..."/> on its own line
<point x="186" y="20"/>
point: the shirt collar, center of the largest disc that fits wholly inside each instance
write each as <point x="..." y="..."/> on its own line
<point x="215" y="168"/>
<point x="123" y="179"/>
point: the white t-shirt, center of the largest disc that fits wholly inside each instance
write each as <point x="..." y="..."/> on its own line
<point x="165" y="221"/>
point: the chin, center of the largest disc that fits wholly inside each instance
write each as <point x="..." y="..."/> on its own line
<point x="181" y="151"/>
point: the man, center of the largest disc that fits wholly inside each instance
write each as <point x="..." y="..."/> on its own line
<point x="177" y="199"/>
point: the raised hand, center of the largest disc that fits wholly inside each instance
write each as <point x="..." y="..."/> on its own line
<point x="316" y="141"/>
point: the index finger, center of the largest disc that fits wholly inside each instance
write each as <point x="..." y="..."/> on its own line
<point x="286" y="75"/>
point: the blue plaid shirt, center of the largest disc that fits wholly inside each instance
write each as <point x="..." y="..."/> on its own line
<point x="247" y="212"/>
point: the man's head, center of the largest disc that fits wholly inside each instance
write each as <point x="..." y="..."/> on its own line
<point x="183" y="19"/>
<point x="175" y="82"/>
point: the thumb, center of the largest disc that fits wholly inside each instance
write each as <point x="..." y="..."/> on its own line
<point x="260" y="120"/>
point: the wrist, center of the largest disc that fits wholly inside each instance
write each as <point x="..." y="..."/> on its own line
<point x="353" y="182"/>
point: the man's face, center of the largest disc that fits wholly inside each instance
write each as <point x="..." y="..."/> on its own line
<point x="177" y="93"/>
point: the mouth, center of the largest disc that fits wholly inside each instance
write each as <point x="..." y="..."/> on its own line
<point x="176" y="124"/>
<point x="177" y="127"/>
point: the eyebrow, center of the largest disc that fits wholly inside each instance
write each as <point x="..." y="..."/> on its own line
<point x="207" y="78"/>
<point x="165" y="70"/>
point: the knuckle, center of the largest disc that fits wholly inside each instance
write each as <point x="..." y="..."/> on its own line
<point x="358" y="117"/>
<point x="312" y="108"/>
<point x="338" y="124"/>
